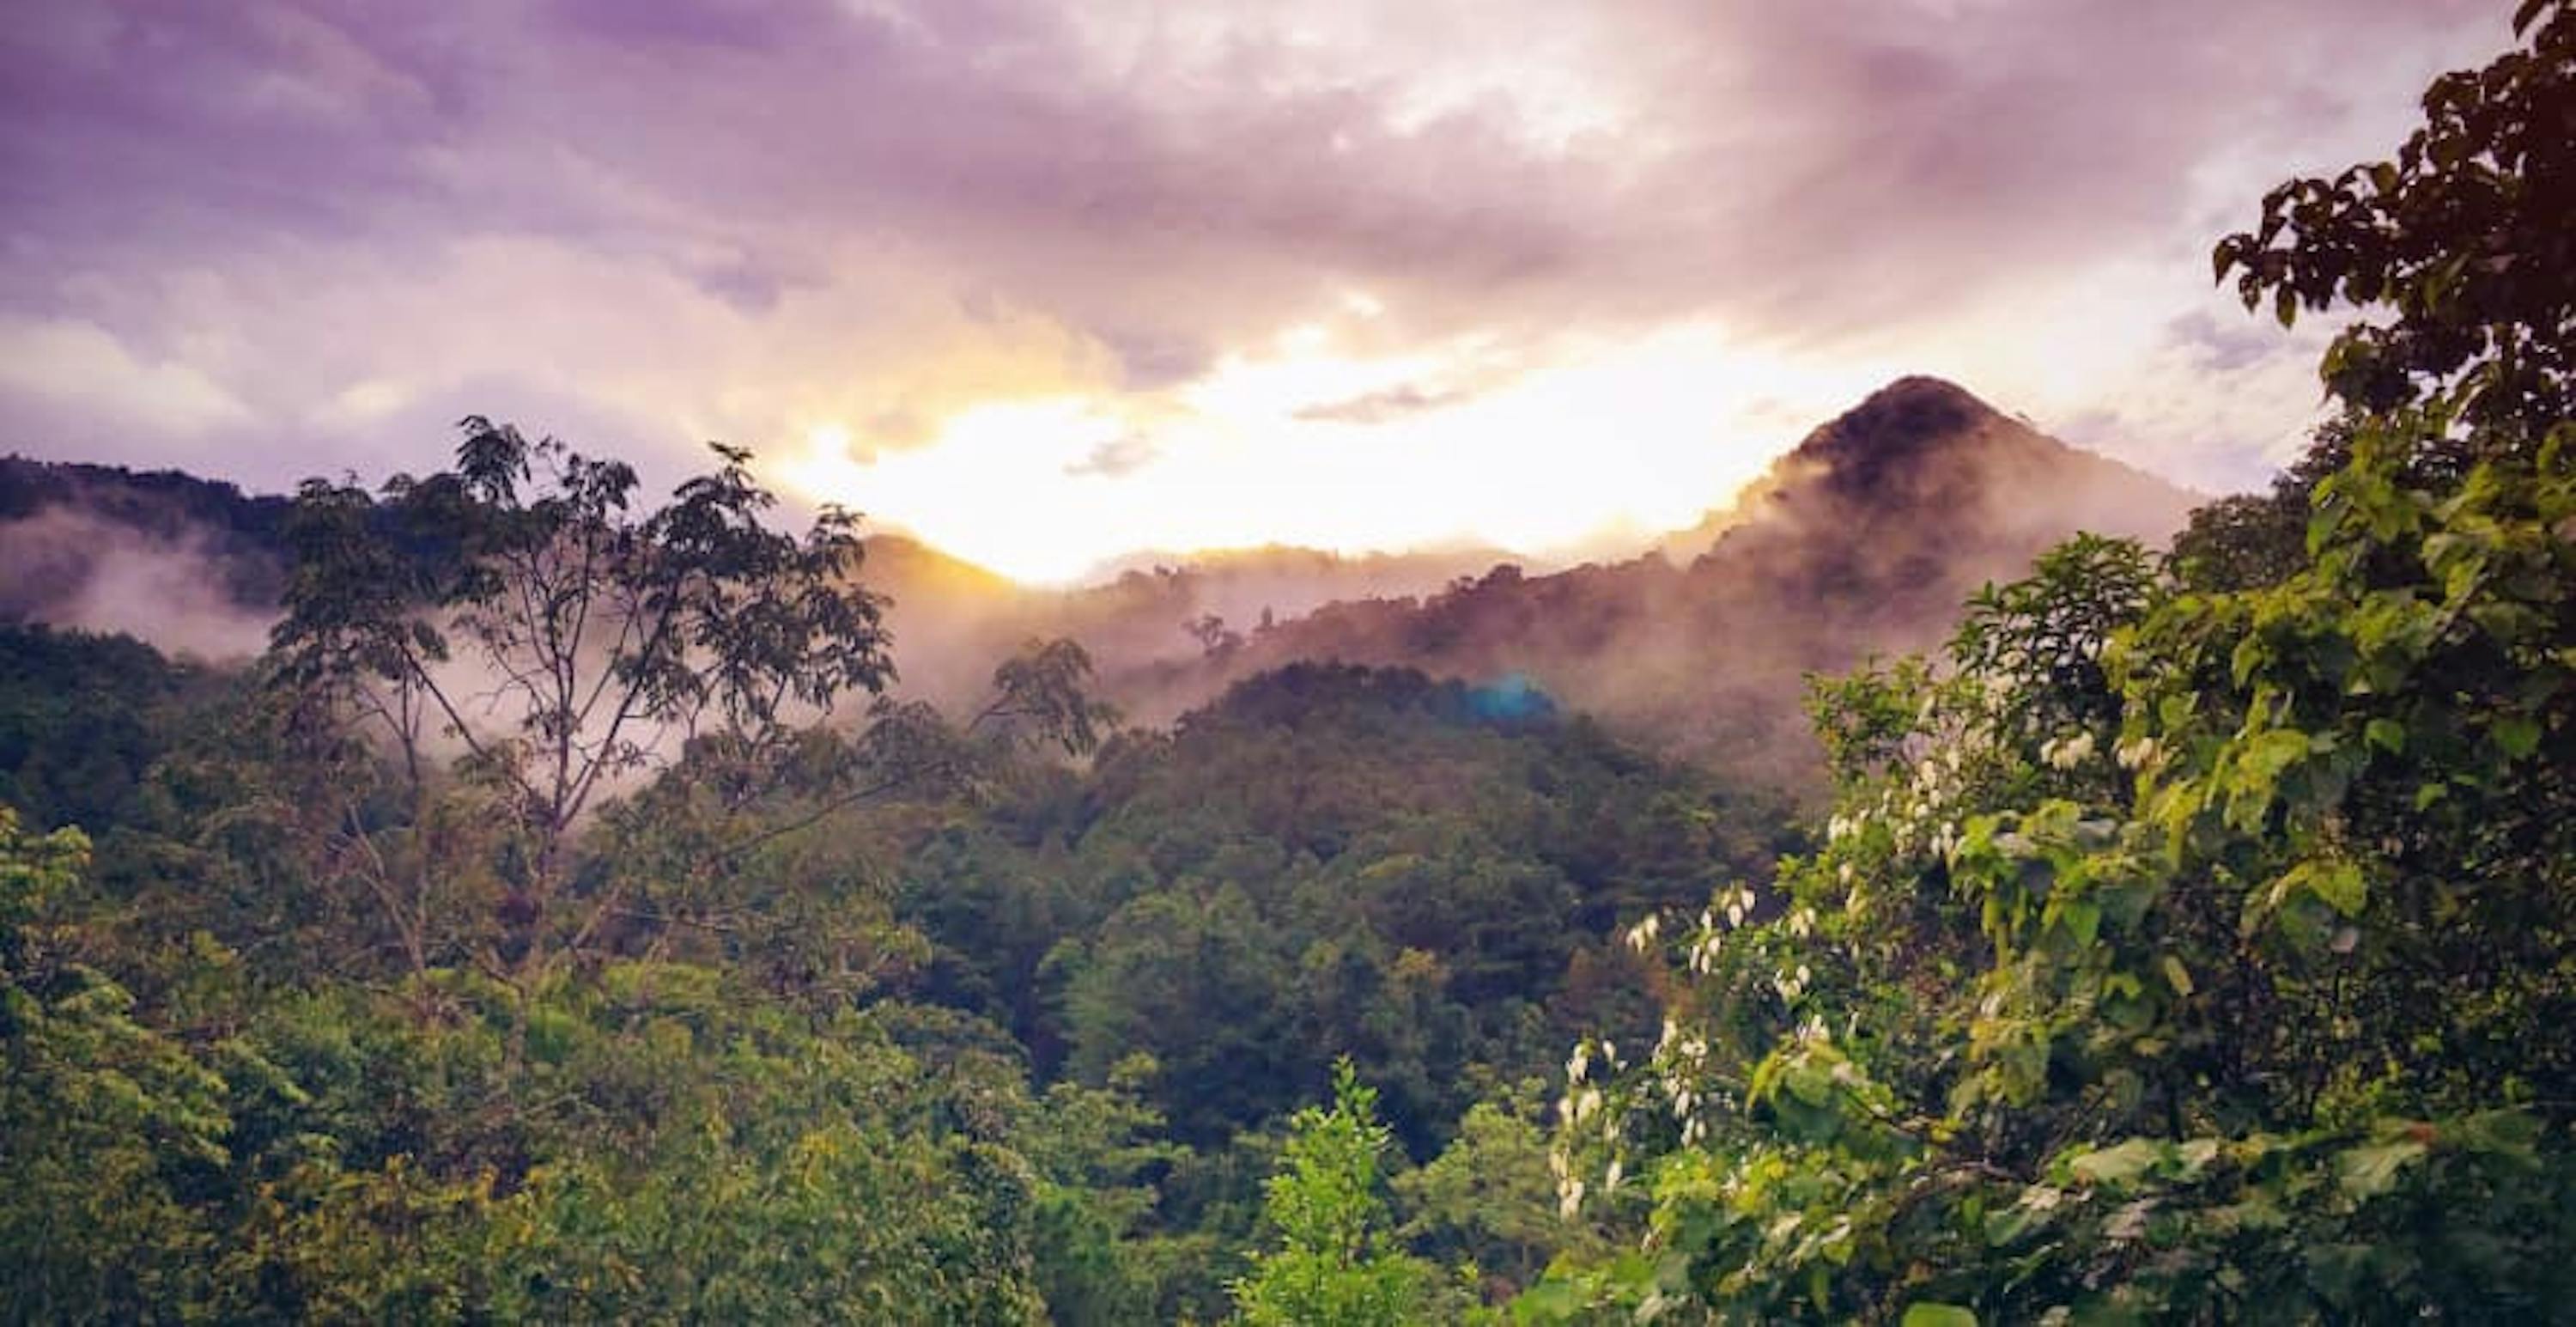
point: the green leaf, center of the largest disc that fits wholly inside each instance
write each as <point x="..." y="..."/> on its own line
<point x="2370" y="1170"/>
<point x="2339" y="884"/>
<point x="2082" y="920"/>
<point x="2177" y="976"/>
<point x="2268" y="755"/>
<point x="2248" y="656"/>
<point x="1924" y="1313"/>
<point x="2116" y="1165"/>
<point x="2387" y="734"/>
<point x="2518" y="735"/>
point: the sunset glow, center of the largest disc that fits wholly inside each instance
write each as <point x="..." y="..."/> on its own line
<point x="1601" y="450"/>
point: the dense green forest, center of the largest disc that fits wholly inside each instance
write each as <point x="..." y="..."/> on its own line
<point x="563" y="922"/>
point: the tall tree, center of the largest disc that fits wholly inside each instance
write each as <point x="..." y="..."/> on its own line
<point x="518" y="613"/>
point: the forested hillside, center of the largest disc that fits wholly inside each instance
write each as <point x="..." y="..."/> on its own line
<point x="567" y="917"/>
<point x="1163" y="952"/>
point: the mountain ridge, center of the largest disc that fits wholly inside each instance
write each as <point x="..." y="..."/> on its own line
<point x="1862" y="539"/>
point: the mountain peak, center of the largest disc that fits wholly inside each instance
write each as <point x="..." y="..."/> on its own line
<point x="1912" y="426"/>
<point x="1924" y="450"/>
<point x="1914" y="409"/>
<point x="1924" y="386"/>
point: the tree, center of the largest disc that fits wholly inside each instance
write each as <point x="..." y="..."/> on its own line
<point x="104" y="1121"/>
<point x="2463" y="239"/>
<point x="1333" y="1267"/>
<point x="681" y="1149"/>
<point x="517" y="612"/>
<point x="2214" y="971"/>
<point x="1488" y="1201"/>
<point x="2247" y="540"/>
<point x="2175" y="1022"/>
<point x="1216" y="640"/>
<point x="1196" y="980"/>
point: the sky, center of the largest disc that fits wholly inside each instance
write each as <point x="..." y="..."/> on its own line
<point x="1047" y="282"/>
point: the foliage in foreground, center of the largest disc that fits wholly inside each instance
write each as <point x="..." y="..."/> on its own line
<point x="2196" y="944"/>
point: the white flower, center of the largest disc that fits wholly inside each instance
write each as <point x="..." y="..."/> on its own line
<point x="1570" y="1199"/>
<point x="1610" y="1179"/>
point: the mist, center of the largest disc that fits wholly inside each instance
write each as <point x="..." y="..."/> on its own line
<point x="82" y="571"/>
<point x="1862" y="541"/>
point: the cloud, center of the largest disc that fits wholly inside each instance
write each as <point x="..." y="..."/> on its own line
<point x="2225" y="346"/>
<point x="1124" y="454"/>
<point x="1382" y="406"/>
<point x="81" y="373"/>
<point x="751" y="219"/>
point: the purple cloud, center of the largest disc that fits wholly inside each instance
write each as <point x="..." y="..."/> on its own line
<point x="802" y="179"/>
